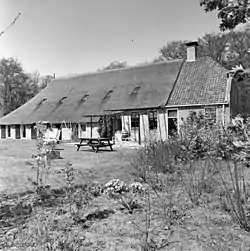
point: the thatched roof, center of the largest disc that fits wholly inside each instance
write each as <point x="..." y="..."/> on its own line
<point x="141" y="87"/>
<point x="91" y="94"/>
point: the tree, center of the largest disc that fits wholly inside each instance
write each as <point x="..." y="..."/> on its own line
<point x="173" y="50"/>
<point x="114" y="65"/>
<point x="44" y="81"/>
<point x="228" y="49"/>
<point x="231" y="12"/>
<point x="16" y="87"/>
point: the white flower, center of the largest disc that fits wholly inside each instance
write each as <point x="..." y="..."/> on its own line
<point x="136" y="187"/>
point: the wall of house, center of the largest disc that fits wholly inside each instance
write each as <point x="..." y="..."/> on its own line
<point x="95" y="133"/>
<point x="222" y="113"/>
<point x="145" y="133"/>
<point x="12" y="132"/>
<point x="66" y="133"/>
<point x="144" y="127"/>
<point x="28" y="131"/>
<point x="82" y="132"/>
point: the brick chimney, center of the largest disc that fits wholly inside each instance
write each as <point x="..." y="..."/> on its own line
<point x="192" y="50"/>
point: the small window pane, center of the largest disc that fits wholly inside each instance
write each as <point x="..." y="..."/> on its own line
<point x="172" y="113"/>
<point x="135" y="120"/>
<point x="9" y="131"/>
<point x="83" y="127"/>
<point x="24" y="131"/>
<point x="152" y="120"/>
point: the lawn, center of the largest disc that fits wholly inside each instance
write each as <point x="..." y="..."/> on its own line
<point x="86" y="218"/>
<point x="101" y="166"/>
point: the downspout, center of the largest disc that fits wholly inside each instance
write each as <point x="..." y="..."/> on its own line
<point x="90" y="126"/>
<point x="223" y="114"/>
<point x="165" y="124"/>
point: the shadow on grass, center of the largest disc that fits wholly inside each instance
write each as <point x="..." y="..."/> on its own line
<point x="99" y="151"/>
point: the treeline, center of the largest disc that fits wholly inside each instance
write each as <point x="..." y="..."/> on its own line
<point x="17" y="86"/>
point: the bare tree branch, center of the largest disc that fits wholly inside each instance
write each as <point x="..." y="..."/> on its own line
<point x="12" y="23"/>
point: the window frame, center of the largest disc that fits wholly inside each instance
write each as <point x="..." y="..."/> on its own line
<point x="24" y="135"/>
<point x="153" y="120"/>
<point x="135" y="119"/>
<point x="9" y="131"/>
<point x="135" y="90"/>
<point x="172" y="117"/>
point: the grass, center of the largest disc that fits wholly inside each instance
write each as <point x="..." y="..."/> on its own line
<point x="101" y="166"/>
<point x="102" y="223"/>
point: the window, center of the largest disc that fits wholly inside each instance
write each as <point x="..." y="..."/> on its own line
<point x="24" y="131"/>
<point x="83" y="99"/>
<point x="43" y="100"/>
<point x="83" y="127"/>
<point x="108" y="94"/>
<point x="136" y="90"/>
<point x="9" y="131"/>
<point x="135" y="120"/>
<point x="152" y="120"/>
<point x="118" y="123"/>
<point x="62" y="100"/>
<point x="210" y="114"/>
<point x="172" y="122"/>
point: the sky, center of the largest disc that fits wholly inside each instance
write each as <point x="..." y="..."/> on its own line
<point x="78" y="36"/>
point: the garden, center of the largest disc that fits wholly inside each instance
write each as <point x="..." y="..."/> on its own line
<point x="191" y="192"/>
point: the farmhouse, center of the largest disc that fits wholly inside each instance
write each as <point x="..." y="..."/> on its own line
<point x="151" y="99"/>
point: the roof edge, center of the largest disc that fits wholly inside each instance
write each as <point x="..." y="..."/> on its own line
<point x="116" y="70"/>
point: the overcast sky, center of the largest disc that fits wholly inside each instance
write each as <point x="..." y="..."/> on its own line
<point x="78" y="36"/>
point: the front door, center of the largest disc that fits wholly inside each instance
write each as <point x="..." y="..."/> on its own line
<point x="18" y="131"/>
<point x="3" y="131"/>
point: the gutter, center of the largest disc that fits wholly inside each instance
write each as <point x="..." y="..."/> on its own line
<point x="188" y="105"/>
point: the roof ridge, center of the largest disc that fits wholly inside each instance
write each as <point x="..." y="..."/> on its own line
<point x="116" y="70"/>
<point x="217" y="63"/>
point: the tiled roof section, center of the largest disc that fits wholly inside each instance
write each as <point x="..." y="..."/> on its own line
<point x="203" y="81"/>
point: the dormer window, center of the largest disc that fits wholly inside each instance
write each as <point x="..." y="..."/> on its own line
<point x="62" y="100"/>
<point x="108" y="94"/>
<point x="42" y="101"/>
<point x="84" y="97"/>
<point x="136" y="90"/>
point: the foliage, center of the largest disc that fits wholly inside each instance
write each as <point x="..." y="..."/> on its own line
<point x="114" y="65"/>
<point x="105" y="128"/>
<point x="115" y="186"/>
<point x="42" y="159"/>
<point x="228" y="49"/>
<point x="16" y="86"/>
<point x="231" y="12"/>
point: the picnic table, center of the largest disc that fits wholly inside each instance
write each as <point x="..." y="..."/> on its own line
<point x="95" y="143"/>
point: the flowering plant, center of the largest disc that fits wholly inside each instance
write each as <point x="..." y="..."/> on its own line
<point x="115" y="186"/>
<point x="136" y="187"/>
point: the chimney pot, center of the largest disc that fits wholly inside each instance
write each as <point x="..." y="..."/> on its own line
<point x="192" y="50"/>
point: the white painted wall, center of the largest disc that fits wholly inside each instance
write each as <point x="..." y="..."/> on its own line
<point x="12" y="132"/>
<point x="95" y="133"/>
<point x="126" y="122"/>
<point x="162" y="126"/>
<point x="144" y="129"/>
<point x="28" y="131"/>
<point x="81" y="133"/>
<point x="66" y="133"/>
